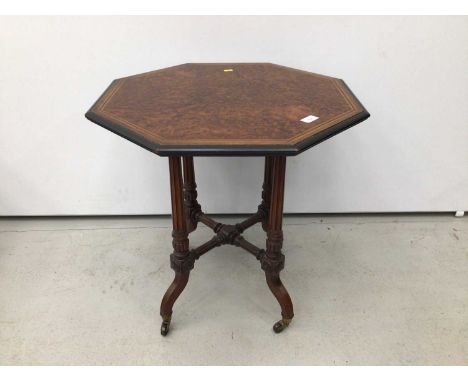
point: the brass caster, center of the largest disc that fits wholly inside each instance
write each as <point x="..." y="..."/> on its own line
<point x="281" y="325"/>
<point x="165" y="326"/>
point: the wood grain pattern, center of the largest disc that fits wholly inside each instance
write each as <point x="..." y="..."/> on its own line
<point x="198" y="105"/>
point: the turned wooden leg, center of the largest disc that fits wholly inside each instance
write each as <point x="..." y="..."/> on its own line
<point x="181" y="258"/>
<point x="192" y="208"/>
<point x="264" y="207"/>
<point x="273" y="261"/>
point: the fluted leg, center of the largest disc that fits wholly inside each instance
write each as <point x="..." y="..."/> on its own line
<point x="181" y="259"/>
<point x="264" y="207"/>
<point x="273" y="261"/>
<point x="192" y="208"/>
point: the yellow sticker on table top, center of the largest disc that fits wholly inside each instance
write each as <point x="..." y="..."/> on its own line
<point x="228" y="70"/>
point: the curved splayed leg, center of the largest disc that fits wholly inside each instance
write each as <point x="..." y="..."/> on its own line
<point x="170" y="297"/>
<point x="282" y="295"/>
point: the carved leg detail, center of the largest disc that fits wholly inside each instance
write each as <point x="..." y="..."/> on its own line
<point x="192" y="208"/>
<point x="273" y="261"/>
<point x="264" y="206"/>
<point x="181" y="259"/>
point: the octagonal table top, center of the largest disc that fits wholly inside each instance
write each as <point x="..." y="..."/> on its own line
<point x="227" y="109"/>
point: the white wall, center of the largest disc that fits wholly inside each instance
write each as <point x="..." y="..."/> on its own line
<point x="411" y="73"/>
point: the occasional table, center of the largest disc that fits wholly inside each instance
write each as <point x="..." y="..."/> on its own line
<point x="247" y="109"/>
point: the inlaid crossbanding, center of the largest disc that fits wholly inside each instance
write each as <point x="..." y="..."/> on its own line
<point x="251" y="108"/>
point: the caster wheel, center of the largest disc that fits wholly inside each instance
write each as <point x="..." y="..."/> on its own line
<point x="165" y="325"/>
<point x="165" y="328"/>
<point x="281" y="325"/>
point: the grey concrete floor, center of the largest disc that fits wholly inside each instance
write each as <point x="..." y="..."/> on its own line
<point x="368" y="290"/>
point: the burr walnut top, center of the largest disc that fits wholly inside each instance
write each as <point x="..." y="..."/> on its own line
<point x="227" y="109"/>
